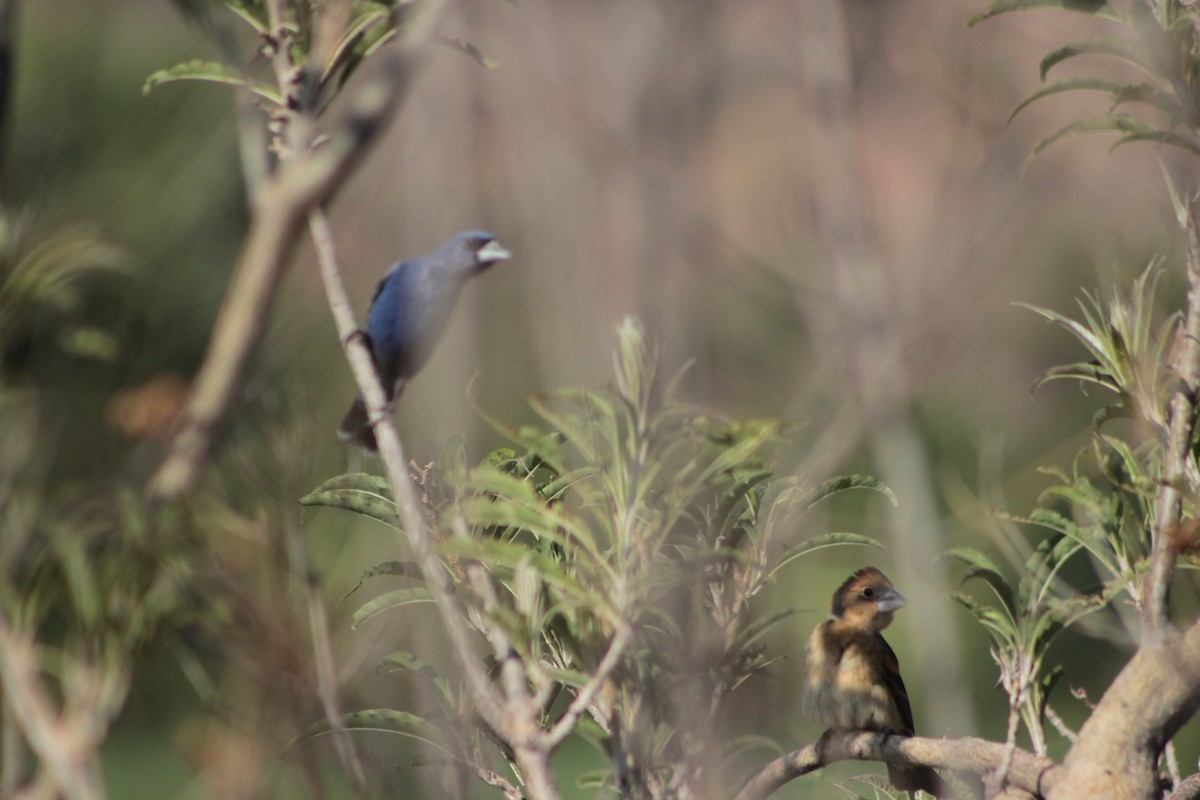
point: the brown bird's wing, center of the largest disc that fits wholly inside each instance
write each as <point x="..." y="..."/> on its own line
<point x="908" y="779"/>
<point x="895" y="685"/>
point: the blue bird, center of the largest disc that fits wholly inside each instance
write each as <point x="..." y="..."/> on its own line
<point x="409" y="312"/>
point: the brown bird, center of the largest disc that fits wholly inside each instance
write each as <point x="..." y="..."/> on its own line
<point x="853" y="679"/>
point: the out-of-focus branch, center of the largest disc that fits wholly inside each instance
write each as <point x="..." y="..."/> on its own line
<point x="415" y="534"/>
<point x="1116" y="755"/>
<point x="1156" y="587"/>
<point x="64" y="749"/>
<point x="513" y="716"/>
<point x="566" y="724"/>
<point x="870" y="346"/>
<point x="283" y="203"/>
<point x="1026" y="772"/>
<point x="8" y="17"/>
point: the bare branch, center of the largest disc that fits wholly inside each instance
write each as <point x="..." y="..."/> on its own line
<point x="1189" y="789"/>
<point x="1156" y="587"/>
<point x="1027" y="772"/>
<point x="285" y="200"/>
<point x="514" y="722"/>
<point x="566" y="724"/>
<point x="62" y="748"/>
<point x="1060" y="725"/>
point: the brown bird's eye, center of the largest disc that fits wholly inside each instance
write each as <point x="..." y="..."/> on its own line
<point x="868" y="593"/>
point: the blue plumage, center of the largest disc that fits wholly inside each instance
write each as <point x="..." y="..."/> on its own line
<point x="409" y="312"/>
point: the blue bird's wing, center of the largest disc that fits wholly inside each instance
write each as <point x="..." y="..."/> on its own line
<point x="408" y="316"/>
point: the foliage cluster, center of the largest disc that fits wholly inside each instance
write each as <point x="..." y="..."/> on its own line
<point x="630" y="514"/>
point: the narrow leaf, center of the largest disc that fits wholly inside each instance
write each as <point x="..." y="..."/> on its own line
<point x="844" y="483"/>
<point x="359" y="492"/>
<point x="386" y="720"/>
<point x="407" y="569"/>
<point x="212" y="72"/>
<point x="1100" y="8"/>
<point x="820" y="543"/>
<point x="388" y="601"/>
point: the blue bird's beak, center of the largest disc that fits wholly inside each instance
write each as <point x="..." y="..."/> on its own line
<point x="891" y="600"/>
<point x="492" y="252"/>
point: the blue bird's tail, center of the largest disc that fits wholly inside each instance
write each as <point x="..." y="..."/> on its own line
<point x="356" y="427"/>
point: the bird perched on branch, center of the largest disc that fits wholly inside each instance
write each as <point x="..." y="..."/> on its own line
<point x="408" y="315"/>
<point x="853" y="679"/>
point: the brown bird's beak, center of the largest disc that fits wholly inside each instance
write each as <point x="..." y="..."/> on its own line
<point x="891" y="600"/>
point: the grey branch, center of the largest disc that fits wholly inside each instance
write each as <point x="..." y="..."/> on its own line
<point x="1026" y="773"/>
<point x="66" y="750"/>
<point x="513" y="719"/>
<point x="283" y="204"/>
<point x="1188" y="789"/>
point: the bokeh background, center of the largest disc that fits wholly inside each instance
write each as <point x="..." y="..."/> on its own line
<point x="640" y="158"/>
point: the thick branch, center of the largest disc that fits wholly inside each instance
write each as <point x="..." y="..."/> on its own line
<point x="1027" y="772"/>
<point x="1118" y="749"/>
<point x="1156" y="588"/>
<point x="283" y="204"/>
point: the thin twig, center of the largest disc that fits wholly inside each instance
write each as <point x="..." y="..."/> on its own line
<point x="1172" y="763"/>
<point x="62" y="748"/>
<point x="567" y="722"/>
<point x="1156" y="588"/>
<point x="1010" y="747"/>
<point x="286" y="197"/>
<point x="1060" y="725"/>
<point x="414" y="534"/>
<point x="323" y="659"/>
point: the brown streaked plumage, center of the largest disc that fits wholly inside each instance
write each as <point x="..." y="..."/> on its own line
<point x="853" y="678"/>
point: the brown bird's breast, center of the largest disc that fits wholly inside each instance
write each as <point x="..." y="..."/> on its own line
<point x="844" y="688"/>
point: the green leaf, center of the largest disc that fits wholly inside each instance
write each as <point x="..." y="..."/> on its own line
<point x="1101" y="46"/>
<point x="567" y="677"/>
<point x="1085" y="372"/>
<point x="406" y="569"/>
<point x="759" y="628"/>
<point x="466" y="48"/>
<point x="390" y="600"/>
<point x="212" y="72"/>
<point x="1000" y="626"/>
<point x="507" y="500"/>
<point x="820" y="543"/>
<point x="511" y="554"/>
<point x="259" y="26"/>
<point x="1182" y="216"/>
<point x="982" y="567"/>
<point x="1099" y="8"/>
<point x="1121" y="91"/>
<point x="386" y="720"/>
<point x="366" y="16"/>
<point x="359" y="492"/>
<point x="844" y="483"/>
<point x="1134" y="130"/>
<point x="404" y="661"/>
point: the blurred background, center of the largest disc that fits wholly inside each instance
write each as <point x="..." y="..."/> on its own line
<point x="639" y="158"/>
